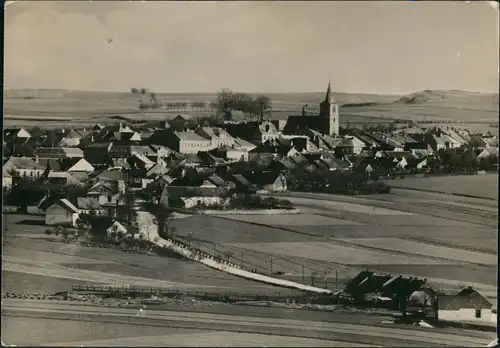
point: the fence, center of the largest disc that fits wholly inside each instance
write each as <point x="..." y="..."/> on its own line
<point x="292" y="296"/>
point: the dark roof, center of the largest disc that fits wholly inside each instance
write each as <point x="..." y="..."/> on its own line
<point x="386" y="284"/>
<point x="467" y="298"/>
<point x="87" y="203"/>
<point x="263" y="178"/>
<point x="301" y="124"/>
<point x="52" y="164"/>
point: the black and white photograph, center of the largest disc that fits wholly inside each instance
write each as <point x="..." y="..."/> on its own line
<point x="250" y="173"/>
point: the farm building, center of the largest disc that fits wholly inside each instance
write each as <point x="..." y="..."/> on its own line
<point x="468" y="305"/>
<point x="62" y="212"/>
<point x="395" y="291"/>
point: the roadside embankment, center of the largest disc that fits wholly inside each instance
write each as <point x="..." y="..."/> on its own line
<point x="146" y="224"/>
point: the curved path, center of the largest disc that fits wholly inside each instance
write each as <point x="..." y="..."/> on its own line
<point x="244" y="330"/>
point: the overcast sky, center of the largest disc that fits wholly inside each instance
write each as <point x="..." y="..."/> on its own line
<point x="370" y="47"/>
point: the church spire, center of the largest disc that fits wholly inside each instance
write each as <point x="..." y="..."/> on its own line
<point x="328" y="96"/>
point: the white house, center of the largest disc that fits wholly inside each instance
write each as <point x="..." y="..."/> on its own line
<point x="25" y="167"/>
<point x="6" y="180"/>
<point x="466" y="306"/>
<point x="62" y="212"/>
<point x="218" y="137"/>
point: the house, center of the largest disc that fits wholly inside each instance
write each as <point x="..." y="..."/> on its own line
<point x="244" y="145"/>
<point x="242" y="184"/>
<point x="232" y="154"/>
<point x="6" y="180"/>
<point x="119" y="150"/>
<point x="488" y="152"/>
<point x="58" y="153"/>
<point x="17" y="133"/>
<point x="268" y="132"/>
<point x="61" y="179"/>
<point x="62" y="212"/>
<point x="350" y="145"/>
<point x="467" y="305"/>
<point x="270" y="181"/>
<point x="213" y="181"/>
<point x="89" y="205"/>
<point x="187" y="142"/>
<point x="25" y="167"/>
<point x="107" y="193"/>
<point x="97" y="154"/>
<point x="218" y="137"/>
<point x="179" y="123"/>
<point x="80" y="165"/>
<point x="159" y="169"/>
<point x="70" y="139"/>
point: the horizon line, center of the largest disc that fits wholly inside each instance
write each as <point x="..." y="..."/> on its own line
<point x="263" y="93"/>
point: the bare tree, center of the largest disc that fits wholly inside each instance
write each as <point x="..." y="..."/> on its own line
<point x="263" y="106"/>
<point x="224" y="101"/>
<point x="228" y="254"/>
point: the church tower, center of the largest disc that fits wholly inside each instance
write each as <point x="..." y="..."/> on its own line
<point x="329" y="114"/>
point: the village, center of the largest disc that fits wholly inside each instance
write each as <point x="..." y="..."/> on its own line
<point x="90" y="182"/>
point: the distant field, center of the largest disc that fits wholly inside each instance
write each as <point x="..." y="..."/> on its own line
<point x="485" y="186"/>
<point x="32" y="107"/>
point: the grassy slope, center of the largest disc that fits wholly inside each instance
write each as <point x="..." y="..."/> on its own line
<point x="39" y="253"/>
<point x="90" y="107"/>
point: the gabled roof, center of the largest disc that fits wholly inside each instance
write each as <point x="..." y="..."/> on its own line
<point x="146" y="161"/>
<point x="217" y="181"/>
<point x="190" y="136"/>
<point x="68" y="205"/>
<point x="244" y="144"/>
<point x="120" y="163"/>
<point x="22" y="163"/>
<point x="102" y="187"/>
<point x="240" y="179"/>
<point x="88" y="203"/>
<point x="143" y="150"/>
<point x="111" y="175"/>
<point x="72" y="134"/>
<point x="158" y="169"/>
<point x="52" y="164"/>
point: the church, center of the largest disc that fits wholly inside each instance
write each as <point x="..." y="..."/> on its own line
<point x="327" y="122"/>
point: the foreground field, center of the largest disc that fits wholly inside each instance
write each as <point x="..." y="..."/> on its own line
<point x="47" y="108"/>
<point x="210" y="329"/>
<point x="30" y="260"/>
<point x="484" y="186"/>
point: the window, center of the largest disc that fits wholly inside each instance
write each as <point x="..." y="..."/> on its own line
<point x="478" y="313"/>
<point x="109" y="199"/>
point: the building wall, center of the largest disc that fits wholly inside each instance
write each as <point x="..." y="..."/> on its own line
<point x="190" y="202"/>
<point x="7" y="182"/>
<point x="192" y="146"/>
<point x="467" y="314"/>
<point x="113" y="198"/>
<point x="31" y="173"/>
<point x="235" y="155"/>
<point x="55" y="215"/>
<point x="279" y="185"/>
